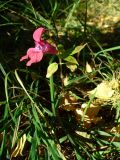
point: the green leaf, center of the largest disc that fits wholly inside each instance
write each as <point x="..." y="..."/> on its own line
<point x="2" y="147"/>
<point x="29" y="138"/>
<point x="78" y="49"/>
<point x="71" y="59"/>
<point x="33" y="150"/>
<point x="116" y="144"/>
<point x="52" y="68"/>
<point x="102" y="133"/>
<point x="63" y="139"/>
<point x="71" y="51"/>
<point x="107" y="50"/>
<point x="78" y="155"/>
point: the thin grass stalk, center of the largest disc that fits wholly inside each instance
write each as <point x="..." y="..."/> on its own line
<point x="89" y="103"/>
<point x="52" y="91"/>
<point x="52" y="95"/>
<point x="20" y="82"/>
<point x="85" y="24"/>
<point x="3" y="143"/>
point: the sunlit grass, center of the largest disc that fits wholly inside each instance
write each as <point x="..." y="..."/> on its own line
<point x="56" y="117"/>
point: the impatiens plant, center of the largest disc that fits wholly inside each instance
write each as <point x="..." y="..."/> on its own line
<point x="35" y="54"/>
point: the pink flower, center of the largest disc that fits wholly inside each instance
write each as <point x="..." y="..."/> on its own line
<point x="42" y="47"/>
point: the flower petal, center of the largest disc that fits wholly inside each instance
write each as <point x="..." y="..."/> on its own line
<point x="48" y="48"/>
<point x="38" y="34"/>
<point x="24" y="57"/>
<point x="35" y="56"/>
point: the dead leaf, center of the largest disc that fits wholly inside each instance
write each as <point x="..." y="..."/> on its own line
<point x="71" y="66"/>
<point x="116" y="132"/>
<point x="83" y="134"/>
<point x="90" y="116"/>
<point x="20" y="146"/>
<point x="68" y="102"/>
<point x="65" y="81"/>
<point x="88" y="68"/>
<point x="102" y="91"/>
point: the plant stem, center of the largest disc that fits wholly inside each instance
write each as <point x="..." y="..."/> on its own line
<point x="52" y="94"/>
<point x="85" y="25"/>
<point x="52" y="91"/>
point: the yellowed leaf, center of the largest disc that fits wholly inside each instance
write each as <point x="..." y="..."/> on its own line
<point x="78" y="49"/>
<point x="102" y="91"/>
<point x="83" y="134"/>
<point x="20" y="146"/>
<point x="88" y="68"/>
<point x="71" y="66"/>
<point x="52" y="68"/>
<point x="71" y="60"/>
<point x="65" y="81"/>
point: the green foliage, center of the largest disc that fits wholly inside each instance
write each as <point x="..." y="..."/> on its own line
<point x="38" y="115"/>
